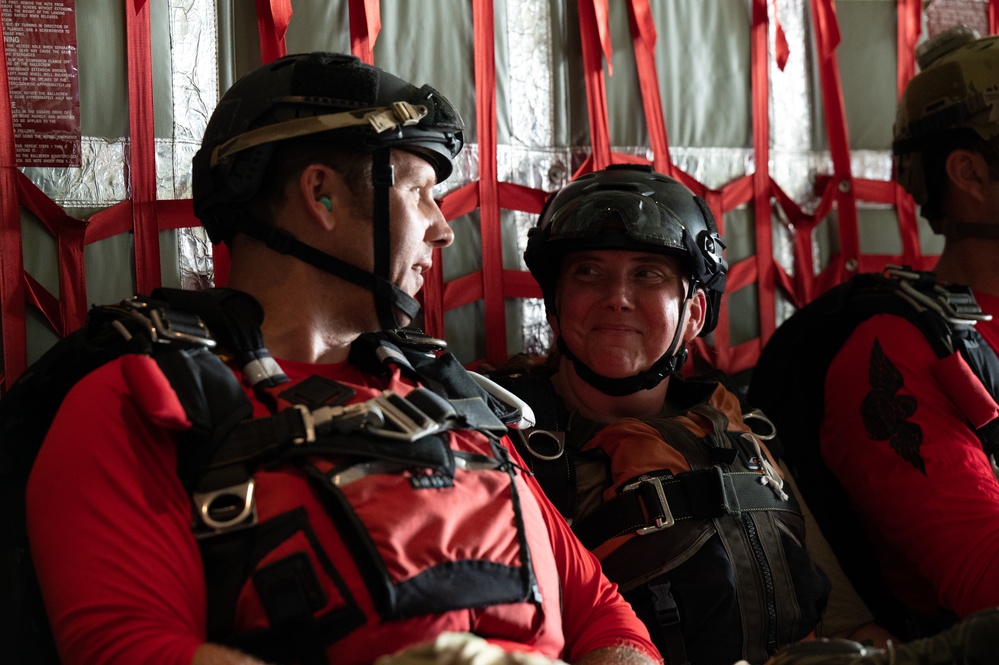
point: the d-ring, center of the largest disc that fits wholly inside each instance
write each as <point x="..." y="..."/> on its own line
<point x="756" y="414"/>
<point x="557" y="437"/>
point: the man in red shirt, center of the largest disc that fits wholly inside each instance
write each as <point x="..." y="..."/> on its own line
<point x="318" y="172"/>
<point x="894" y="432"/>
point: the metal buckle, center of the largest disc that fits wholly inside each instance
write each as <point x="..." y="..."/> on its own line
<point x="308" y="423"/>
<point x="957" y="308"/>
<point x="408" y="423"/>
<point x="397" y="115"/>
<point x="666" y="520"/>
<point x="533" y="438"/>
<point x="226" y="509"/>
<point x="757" y="414"/>
<point x="164" y="326"/>
<point x="416" y="339"/>
<point x="387" y="415"/>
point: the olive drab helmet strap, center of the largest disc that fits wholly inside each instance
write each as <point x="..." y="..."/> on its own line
<point x="631" y="207"/>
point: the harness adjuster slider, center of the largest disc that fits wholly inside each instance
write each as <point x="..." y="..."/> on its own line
<point x="308" y="425"/>
<point x="663" y="515"/>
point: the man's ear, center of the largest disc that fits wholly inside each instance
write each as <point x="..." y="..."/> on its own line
<point x="697" y="312"/>
<point x="321" y="192"/>
<point x="968" y="173"/>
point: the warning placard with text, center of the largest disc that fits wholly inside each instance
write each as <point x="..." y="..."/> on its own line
<point x="40" y="42"/>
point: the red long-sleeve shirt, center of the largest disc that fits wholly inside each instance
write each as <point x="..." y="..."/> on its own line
<point x="896" y="435"/>
<point x="109" y="524"/>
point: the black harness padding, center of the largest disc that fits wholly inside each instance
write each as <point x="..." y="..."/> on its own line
<point x="788" y="383"/>
<point x="709" y="567"/>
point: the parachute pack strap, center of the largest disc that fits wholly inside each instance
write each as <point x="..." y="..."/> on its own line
<point x="234" y="319"/>
<point x="214" y="402"/>
<point x="543" y="447"/>
<point x="668" y="618"/>
<point x="422" y="358"/>
<point x="655" y="502"/>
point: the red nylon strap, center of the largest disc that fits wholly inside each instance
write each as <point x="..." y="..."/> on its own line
<point x="643" y="32"/>
<point x="273" y="17"/>
<point x="489" y="212"/>
<point x="827" y="38"/>
<point x="44" y="301"/>
<point x="761" y="178"/>
<point x="593" y="44"/>
<point x="142" y="150"/>
<point x="68" y="233"/>
<point x="993" y="17"/>
<point x="12" y="293"/>
<point x="365" y="24"/>
<point x="781" y="49"/>
<point x="908" y="29"/>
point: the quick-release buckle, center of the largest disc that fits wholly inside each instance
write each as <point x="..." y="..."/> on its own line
<point x="416" y="339"/>
<point x="663" y="522"/>
<point x="956" y="304"/>
<point x="165" y="325"/>
<point x="387" y="415"/>
<point x="401" y="419"/>
<point x="225" y="509"/>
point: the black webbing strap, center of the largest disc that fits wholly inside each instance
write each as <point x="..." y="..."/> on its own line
<point x="542" y="447"/>
<point x="668" y="618"/>
<point x="655" y="502"/>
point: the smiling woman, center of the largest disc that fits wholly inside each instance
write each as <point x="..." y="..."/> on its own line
<point x="619" y="310"/>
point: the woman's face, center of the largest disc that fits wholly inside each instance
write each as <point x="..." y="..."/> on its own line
<point x="618" y="310"/>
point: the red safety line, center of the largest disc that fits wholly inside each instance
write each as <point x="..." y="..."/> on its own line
<point x="643" y="31"/>
<point x="909" y="26"/>
<point x="273" y="17"/>
<point x="490" y="228"/>
<point x="760" y="82"/>
<point x="12" y="294"/>
<point x="827" y="38"/>
<point x="365" y="24"/>
<point x="592" y="37"/>
<point x="141" y="164"/>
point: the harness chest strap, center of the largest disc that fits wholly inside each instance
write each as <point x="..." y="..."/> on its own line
<point x="658" y="502"/>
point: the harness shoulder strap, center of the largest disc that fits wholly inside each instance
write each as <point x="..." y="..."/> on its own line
<point x="545" y="447"/>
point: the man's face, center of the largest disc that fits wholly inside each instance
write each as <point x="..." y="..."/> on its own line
<point x="417" y="225"/>
<point x="618" y="310"/>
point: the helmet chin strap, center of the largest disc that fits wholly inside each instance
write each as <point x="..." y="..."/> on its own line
<point x="388" y="297"/>
<point x="669" y="363"/>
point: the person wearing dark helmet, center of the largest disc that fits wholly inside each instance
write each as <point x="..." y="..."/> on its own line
<point x="390" y="514"/>
<point x="661" y="477"/>
<point x="907" y="426"/>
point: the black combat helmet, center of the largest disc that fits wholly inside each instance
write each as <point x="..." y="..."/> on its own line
<point x="327" y="97"/>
